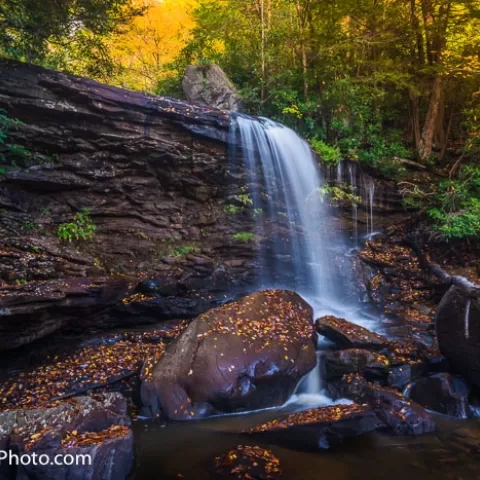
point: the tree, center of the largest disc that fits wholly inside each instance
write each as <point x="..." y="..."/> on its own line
<point x="145" y="50"/>
<point x="55" y="33"/>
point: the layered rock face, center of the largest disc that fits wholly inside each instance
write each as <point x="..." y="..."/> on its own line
<point x="152" y="172"/>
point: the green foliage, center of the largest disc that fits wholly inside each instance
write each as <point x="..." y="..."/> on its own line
<point x="329" y="155"/>
<point x="29" y="225"/>
<point x="64" y="34"/>
<point x="452" y="205"/>
<point x="339" y="194"/>
<point x="231" y="209"/>
<point x="182" y="250"/>
<point x="81" y="228"/>
<point x="461" y="224"/>
<point x="244" y="237"/>
<point x="6" y="124"/>
<point x="170" y="86"/>
<point x="257" y="212"/>
<point x="245" y="199"/>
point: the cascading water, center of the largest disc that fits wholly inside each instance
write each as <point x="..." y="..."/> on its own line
<point x="295" y="245"/>
<point x="371" y="199"/>
<point x="292" y="223"/>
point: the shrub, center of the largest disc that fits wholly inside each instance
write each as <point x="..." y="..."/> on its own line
<point x="245" y="199"/>
<point x="6" y="123"/>
<point x="341" y="193"/>
<point x="81" y="228"/>
<point x="244" y="237"/>
<point x="329" y="155"/>
<point x="453" y="205"/>
<point x="230" y="209"/>
<point x="182" y="250"/>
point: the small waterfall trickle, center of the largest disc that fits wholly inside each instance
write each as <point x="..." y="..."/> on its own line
<point x="353" y="186"/>
<point x="371" y="199"/>
<point x="467" y="319"/>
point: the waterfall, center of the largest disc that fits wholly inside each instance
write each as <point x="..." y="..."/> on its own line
<point x="297" y="242"/>
<point x="285" y="184"/>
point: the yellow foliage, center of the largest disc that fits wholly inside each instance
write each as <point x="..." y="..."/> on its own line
<point x="151" y="42"/>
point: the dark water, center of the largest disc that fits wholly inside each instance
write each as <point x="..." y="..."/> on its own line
<point x="188" y="449"/>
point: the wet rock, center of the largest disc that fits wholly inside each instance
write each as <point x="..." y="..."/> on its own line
<point x="319" y="428"/>
<point x="349" y="335"/>
<point x="35" y="310"/>
<point x="400" y="415"/>
<point x="108" y="455"/>
<point x="208" y="84"/>
<point x="245" y="355"/>
<point x="107" y="363"/>
<point x="353" y="386"/>
<point x="441" y="393"/>
<point x="400" y="376"/>
<point x="97" y="426"/>
<point x="248" y="463"/>
<point x="369" y="364"/>
<point x="457" y="323"/>
<point x="410" y="360"/>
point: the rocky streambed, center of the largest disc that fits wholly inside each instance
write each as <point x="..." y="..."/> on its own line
<point x="393" y="408"/>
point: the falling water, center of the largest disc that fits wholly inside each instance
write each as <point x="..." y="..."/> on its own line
<point x="467" y="319"/>
<point x="292" y="224"/>
<point x="371" y="198"/>
<point x="294" y="251"/>
<point x="353" y="186"/>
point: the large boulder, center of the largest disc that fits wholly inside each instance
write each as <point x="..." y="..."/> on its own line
<point x="458" y="329"/>
<point x="400" y="415"/>
<point x="208" y="84"/>
<point x="94" y="430"/>
<point x="442" y="393"/>
<point x="245" y="355"/>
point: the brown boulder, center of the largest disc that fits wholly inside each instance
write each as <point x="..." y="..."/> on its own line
<point x="400" y="415"/>
<point x="96" y="427"/>
<point x="352" y="386"/>
<point x="320" y="428"/>
<point x="209" y="85"/>
<point x="369" y="364"/>
<point x="442" y="393"/>
<point x="245" y="355"/>
<point x="349" y="335"/>
<point x="458" y="330"/>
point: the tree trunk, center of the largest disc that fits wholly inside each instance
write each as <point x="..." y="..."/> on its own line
<point x="425" y="146"/>
<point x="415" y="117"/>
